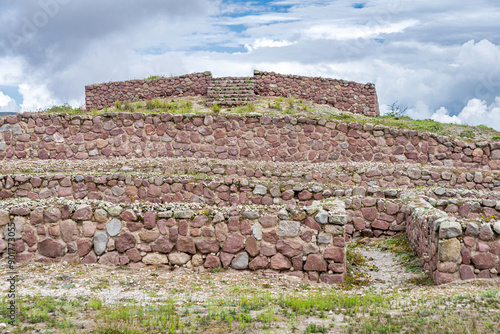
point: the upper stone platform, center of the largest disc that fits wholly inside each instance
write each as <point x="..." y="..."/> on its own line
<point x="343" y="95"/>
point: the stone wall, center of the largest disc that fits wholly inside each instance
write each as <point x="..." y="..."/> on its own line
<point x="105" y="95"/>
<point x="304" y="241"/>
<point x="344" y="95"/>
<point x="375" y="217"/>
<point x="124" y="188"/>
<point x="366" y="216"/>
<point x="470" y="208"/>
<point x="234" y="137"/>
<point x="453" y="249"/>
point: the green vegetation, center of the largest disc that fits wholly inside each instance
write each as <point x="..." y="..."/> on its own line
<point x="426" y="125"/>
<point x="244" y="307"/>
<point x="396" y="111"/>
<point x="65" y="109"/>
<point x="181" y="107"/>
<point x="313" y="328"/>
<point x="276" y="104"/>
<point x="396" y="118"/>
<point x="215" y="108"/>
<point x="402" y="248"/>
<point x="355" y="263"/>
<point x="128" y="106"/>
<point x="250" y="107"/>
<point x="154" y="77"/>
<point x="467" y="134"/>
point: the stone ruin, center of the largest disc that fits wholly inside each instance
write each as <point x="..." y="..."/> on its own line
<point x="232" y="91"/>
<point x="247" y="191"/>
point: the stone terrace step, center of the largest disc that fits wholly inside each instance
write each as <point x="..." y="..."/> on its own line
<point x="126" y="188"/>
<point x="375" y="175"/>
<point x="230" y="91"/>
<point x="210" y="189"/>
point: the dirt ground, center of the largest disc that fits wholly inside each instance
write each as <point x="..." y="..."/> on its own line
<point x="121" y="286"/>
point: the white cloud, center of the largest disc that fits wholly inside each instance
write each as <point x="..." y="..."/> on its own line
<point x="441" y="115"/>
<point x="36" y="96"/>
<point x="439" y="64"/>
<point x="346" y="32"/>
<point x="7" y="104"/>
<point x="4" y="99"/>
<point x="478" y="112"/>
<point x="258" y="19"/>
<point x="11" y="70"/>
<point x="267" y="43"/>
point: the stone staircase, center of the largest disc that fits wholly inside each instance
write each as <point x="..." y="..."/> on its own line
<point x="231" y="91"/>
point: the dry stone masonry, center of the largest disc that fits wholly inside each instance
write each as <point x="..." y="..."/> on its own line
<point x="245" y="191"/>
<point x="343" y="95"/>
<point x="253" y="137"/>
<point x="451" y="248"/>
<point x="299" y="240"/>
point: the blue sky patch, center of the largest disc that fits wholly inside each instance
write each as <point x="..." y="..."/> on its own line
<point x="237" y="27"/>
<point x="219" y="48"/>
<point x="359" y="5"/>
<point x="258" y="7"/>
<point x="13" y="93"/>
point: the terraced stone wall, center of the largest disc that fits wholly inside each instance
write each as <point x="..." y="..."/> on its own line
<point x="453" y="249"/>
<point x="233" y="137"/>
<point x="105" y="95"/>
<point x="369" y="213"/>
<point x="367" y="216"/>
<point x="304" y="241"/>
<point x="342" y="94"/>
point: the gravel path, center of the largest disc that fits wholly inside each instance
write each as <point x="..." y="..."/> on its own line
<point x="385" y="271"/>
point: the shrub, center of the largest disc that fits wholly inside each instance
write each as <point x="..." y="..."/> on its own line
<point x="467" y="134"/>
<point x="118" y="105"/>
<point x="396" y="111"/>
<point x="250" y="107"/>
<point x="128" y="106"/>
<point x="215" y="108"/>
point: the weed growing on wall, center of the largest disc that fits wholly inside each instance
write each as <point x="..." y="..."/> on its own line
<point x="215" y="108"/>
<point x="396" y="110"/>
<point x="67" y="109"/>
<point x="128" y="106"/>
<point x="250" y="107"/>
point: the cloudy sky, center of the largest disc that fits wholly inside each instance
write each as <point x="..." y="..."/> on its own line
<point x="441" y="59"/>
